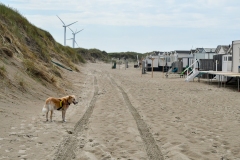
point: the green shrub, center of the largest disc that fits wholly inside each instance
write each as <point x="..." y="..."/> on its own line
<point x="2" y="71"/>
<point x="37" y="71"/>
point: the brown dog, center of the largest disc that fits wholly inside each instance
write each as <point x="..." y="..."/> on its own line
<point x="58" y="104"/>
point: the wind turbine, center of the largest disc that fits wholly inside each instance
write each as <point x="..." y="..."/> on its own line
<point x="64" y="25"/>
<point x="74" y="33"/>
<point x="73" y="41"/>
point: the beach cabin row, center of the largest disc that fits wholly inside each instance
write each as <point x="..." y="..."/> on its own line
<point x="222" y="63"/>
<point x="225" y="58"/>
<point x="164" y="61"/>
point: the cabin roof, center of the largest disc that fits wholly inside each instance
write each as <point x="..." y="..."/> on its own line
<point x="182" y="51"/>
<point x="224" y="47"/>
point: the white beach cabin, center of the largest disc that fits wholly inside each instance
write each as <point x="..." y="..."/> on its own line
<point x="202" y="53"/>
<point x="184" y="55"/>
<point x="236" y="56"/>
<point x="227" y="63"/>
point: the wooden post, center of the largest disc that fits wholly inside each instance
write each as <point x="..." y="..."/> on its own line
<point x="163" y="71"/>
<point x="119" y="63"/>
<point x="141" y="62"/>
<point x="163" y="67"/>
<point x="141" y="66"/>
<point x="152" y="66"/>
<point x="125" y="60"/>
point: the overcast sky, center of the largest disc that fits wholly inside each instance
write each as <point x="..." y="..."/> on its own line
<point x="137" y="25"/>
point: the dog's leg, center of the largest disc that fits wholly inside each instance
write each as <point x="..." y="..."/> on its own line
<point x="46" y="116"/>
<point x="63" y="115"/>
<point x="51" y="115"/>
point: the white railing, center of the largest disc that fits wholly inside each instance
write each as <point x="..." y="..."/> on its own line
<point x="192" y="75"/>
<point x="193" y="70"/>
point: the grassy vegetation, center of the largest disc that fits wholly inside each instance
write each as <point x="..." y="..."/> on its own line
<point x="2" y="71"/>
<point x="127" y="55"/>
<point x="96" y="54"/>
<point x="38" y="44"/>
<point x="33" y="47"/>
<point x="20" y="81"/>
<point x="6" y="51"/>
<point x="36" y="70"/>
<point x="93" y="54"/>
<point x="55" y="70"/>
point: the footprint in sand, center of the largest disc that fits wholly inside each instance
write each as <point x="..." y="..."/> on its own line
<point x="22" y="146"/>
<point x="22" y="126"/>
<point x="21" y="151"/>
<point x="206" y="153"/>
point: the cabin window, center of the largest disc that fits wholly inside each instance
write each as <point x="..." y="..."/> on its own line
<point x="229" y="58"/>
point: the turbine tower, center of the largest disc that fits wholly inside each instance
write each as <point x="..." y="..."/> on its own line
<point x="74" y="33"/>
<point x="73" y="41"/>
<point x="65" y="29"/>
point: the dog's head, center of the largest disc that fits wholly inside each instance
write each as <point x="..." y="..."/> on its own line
<point x="72" y="99"/>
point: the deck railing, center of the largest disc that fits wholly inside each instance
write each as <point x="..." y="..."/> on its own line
<point x="187" y="69"/>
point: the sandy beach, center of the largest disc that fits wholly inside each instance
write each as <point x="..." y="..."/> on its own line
<point x="122" y="115"/>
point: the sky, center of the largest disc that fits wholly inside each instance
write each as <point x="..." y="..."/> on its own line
<point x="136" y="25"/>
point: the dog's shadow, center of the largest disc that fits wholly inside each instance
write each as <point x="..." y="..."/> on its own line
<point x="54" y="122"/>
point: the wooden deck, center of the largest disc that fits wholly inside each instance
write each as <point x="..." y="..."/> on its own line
<point x="222" y="75"/>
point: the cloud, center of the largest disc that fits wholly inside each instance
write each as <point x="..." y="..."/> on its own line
<point x="186" y="13"/>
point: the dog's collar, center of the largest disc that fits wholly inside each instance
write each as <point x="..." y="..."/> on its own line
<point x="61" y="104"/>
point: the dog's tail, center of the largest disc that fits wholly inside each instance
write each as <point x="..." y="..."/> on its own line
<point x="44" y="110"/>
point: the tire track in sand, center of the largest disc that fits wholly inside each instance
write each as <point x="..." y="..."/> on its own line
<point x="70" y="143"/>
<point x="152" y="149"/>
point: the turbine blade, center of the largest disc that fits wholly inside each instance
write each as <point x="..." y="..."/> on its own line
<point x="70" y="24"/>
<point x="76" y="43"/>
<point x="70" y="39"/>
<point x="71" y="29"/>
<point x="78" y="31"/>
<point x="61" y="20"/>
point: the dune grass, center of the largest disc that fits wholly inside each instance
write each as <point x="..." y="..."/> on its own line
<point x="38" y="42"/>
<point x="34" y="47"/>
<point x="2" y="71"/>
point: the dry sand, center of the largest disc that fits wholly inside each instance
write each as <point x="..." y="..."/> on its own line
<point x="121" y="115"/>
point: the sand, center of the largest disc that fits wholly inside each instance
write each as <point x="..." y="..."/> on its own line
<point x="123" y="115"/>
